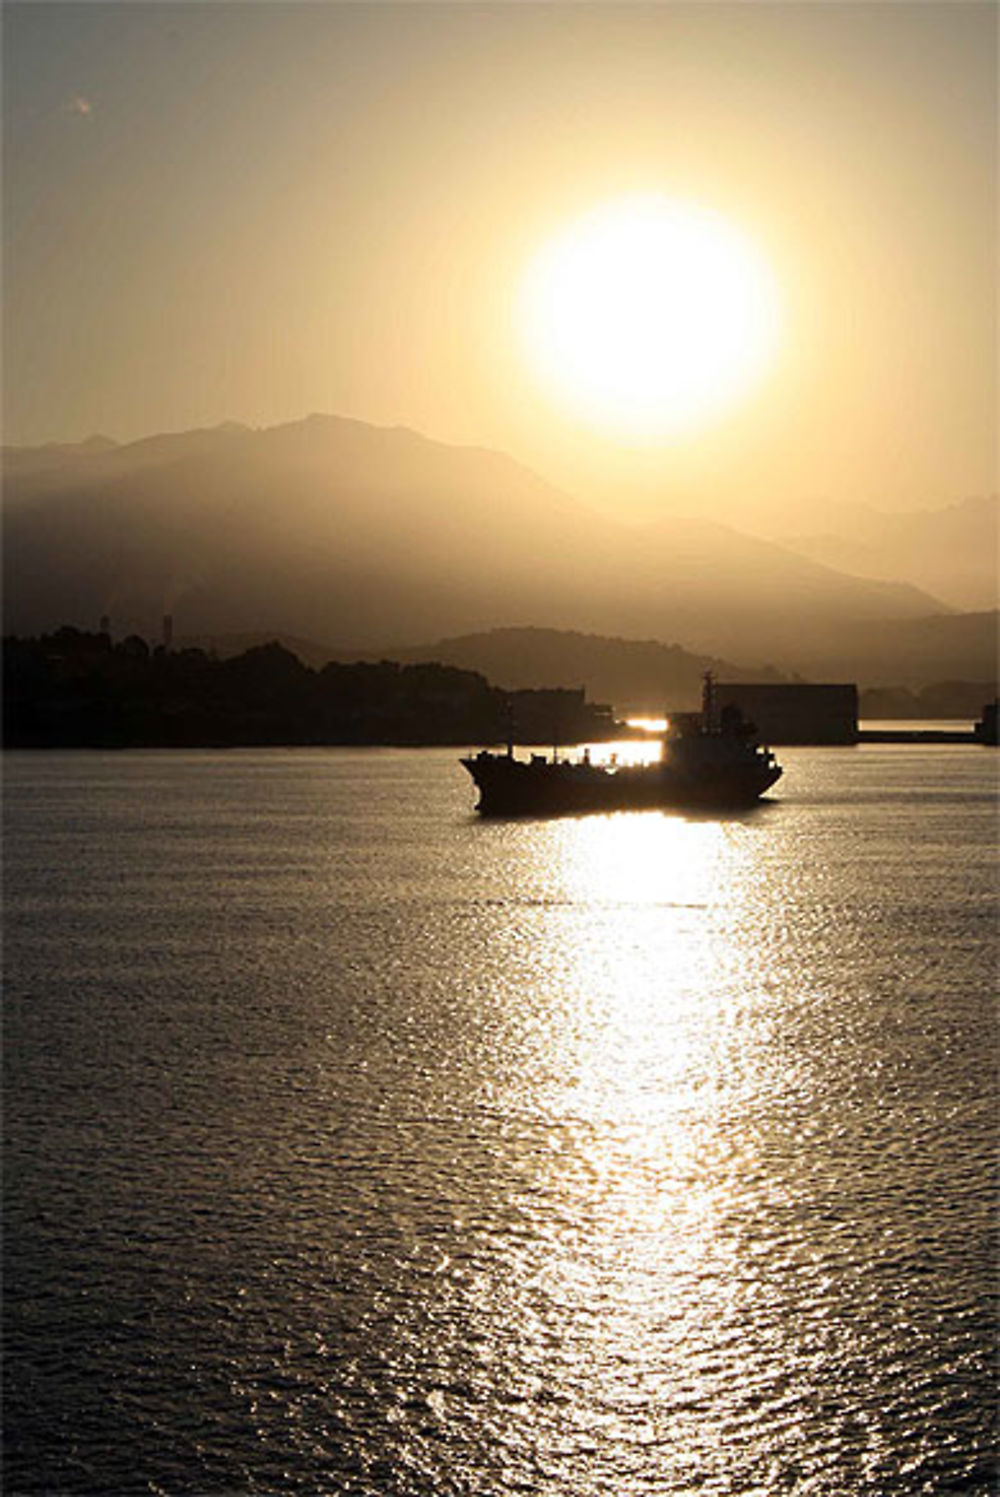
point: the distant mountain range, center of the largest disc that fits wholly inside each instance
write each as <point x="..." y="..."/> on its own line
<point x="633" y="675"/>
<point x="952" y="552"/>
<point x="644" y="676"/>
<point x="331" y="529"/>
<point x="640" y="676"/>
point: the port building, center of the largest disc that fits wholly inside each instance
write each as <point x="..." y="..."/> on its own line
<point x="796" y="713"/>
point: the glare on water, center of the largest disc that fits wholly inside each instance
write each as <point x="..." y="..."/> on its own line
<point x="357" y="1145"/>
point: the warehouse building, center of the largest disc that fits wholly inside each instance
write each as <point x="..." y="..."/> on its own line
<point x="795" y="714"/>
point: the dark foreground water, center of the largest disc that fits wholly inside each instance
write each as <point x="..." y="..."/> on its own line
<point x="356" y="1146"/>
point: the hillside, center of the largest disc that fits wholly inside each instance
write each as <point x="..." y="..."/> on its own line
<point x="639" y="676"/>
<point x="915" y="652"/>
<point x="645" y="675"/>
<point x="331" y="529"/>
<point x="952" y="552"/>
<point x="642" y="676"/>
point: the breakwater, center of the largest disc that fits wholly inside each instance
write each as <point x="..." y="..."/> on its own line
<point x="918" y="735"/>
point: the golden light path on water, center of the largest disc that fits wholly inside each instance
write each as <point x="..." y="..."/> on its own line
<point x="643" y="1051"/>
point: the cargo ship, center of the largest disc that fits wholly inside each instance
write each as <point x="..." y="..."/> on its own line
<point x="707" y="759"/>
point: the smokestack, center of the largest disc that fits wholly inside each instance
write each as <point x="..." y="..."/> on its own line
<point x="104" y="627"/>
<point x="168" y="630"/>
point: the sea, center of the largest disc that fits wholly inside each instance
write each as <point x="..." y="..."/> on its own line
<point x="356" y="1145"/>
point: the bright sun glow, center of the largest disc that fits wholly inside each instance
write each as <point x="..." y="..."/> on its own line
<point x="649" y="315"/>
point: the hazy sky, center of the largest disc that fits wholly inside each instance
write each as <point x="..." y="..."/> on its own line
<point x="255" y="211"/>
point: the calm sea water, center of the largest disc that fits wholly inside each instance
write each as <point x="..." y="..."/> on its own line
<point x="356" y="1146"/>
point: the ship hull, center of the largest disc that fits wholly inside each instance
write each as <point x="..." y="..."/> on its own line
<point x="512" y="787"/>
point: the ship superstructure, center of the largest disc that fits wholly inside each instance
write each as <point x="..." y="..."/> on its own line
<point x="708" y="758"/>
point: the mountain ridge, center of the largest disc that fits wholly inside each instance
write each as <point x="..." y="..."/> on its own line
<point x="952" y="551"/>
<point x="331" y="528"/>
<point x="642" y="675"/>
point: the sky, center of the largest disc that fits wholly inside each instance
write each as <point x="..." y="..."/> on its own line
<point x="254" y="211"/>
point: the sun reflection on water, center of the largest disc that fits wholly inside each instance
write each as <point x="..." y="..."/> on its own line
<point x="640" y="859"/>
<point x="632" y="1126"/>
<point x="644" y="1053"/>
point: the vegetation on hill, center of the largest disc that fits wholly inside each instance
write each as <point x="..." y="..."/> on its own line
<point x="73" y="689"/>
<point x="637" y="675"/>
<point x="943" y="699"/>
<point x="77" y="690"/>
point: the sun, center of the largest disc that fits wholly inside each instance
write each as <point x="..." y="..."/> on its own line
<point x="649" y="316"/>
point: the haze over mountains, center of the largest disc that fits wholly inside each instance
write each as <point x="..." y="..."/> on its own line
<point x="951" y="552"/>
<point x="370" y="538"/>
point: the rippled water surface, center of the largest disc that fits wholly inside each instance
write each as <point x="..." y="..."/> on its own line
<point x="356" y="1146"/>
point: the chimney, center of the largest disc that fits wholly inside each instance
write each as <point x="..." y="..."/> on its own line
<point x="168" y="630"/>
<point x="104" y="627"/>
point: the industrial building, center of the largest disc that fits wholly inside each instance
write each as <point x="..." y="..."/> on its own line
<point x="558" y="715"/>
<point x="795" y="714"/>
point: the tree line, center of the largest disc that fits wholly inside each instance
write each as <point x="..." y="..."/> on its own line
<point x="73" y="689"/>
<point x="942" y="699"/>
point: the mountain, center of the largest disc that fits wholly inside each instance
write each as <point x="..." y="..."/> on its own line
<point x="915" y="652"/>
<point x="644" y="675"/>
<point x="52" y="456"/>
<point x="951" y="551"/>
<point x="633" y="675"/>
<point x="329" y="528"/>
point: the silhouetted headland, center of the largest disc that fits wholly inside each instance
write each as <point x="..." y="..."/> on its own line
<point x="73" y="689"/>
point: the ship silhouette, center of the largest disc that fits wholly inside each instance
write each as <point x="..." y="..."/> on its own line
<point x="708" y="759"/>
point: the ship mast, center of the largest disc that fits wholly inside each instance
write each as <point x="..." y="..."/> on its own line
<point x="708" y="701"/>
